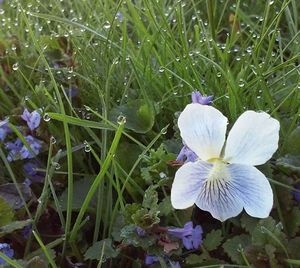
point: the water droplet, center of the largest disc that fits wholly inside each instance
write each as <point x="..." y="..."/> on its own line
<point x="121" y="119"/>
<point x="271" y="2"/>
<point x="46" y="117"/>
<point x="161" y="69"/>
<point x="52" y="139"/>
<point x="26" y="98"/>
<point x="87" y="148"/>
<point x="241" y="83"/>
<point x="15" y="66"/>
<point x="164" y="130"/>
<point x="106" y="25"/>
<point x="1" y="11"/>
<point x="219" y="74"/>
<point x="56" y="165"/>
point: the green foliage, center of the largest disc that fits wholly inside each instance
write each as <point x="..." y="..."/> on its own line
<point x="268" y="232"/>
<point x="150" y="198"/>
<point x="13" y="226"/>
<point x="290" y="162"/>
<point x="293" y="222"/>
<point x="101" y="250"/>
<point x="139" y="115"/>
<point x="6" y="213"/>
<point x="213" y="240"/>
<point x="130" y="237"/>
<point x="235" y="246"/>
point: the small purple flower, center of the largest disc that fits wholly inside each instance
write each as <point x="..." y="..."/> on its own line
<point x="186" y="155"/>
<point x="72" y="91"/>
<point x="30" y="170"/>
<point x="140" y="231"/>
<point x="19" y="151"/>
<point x="33" y="119"/>
<point x="5" y="249"/>
<point x="150" y="259"/>
<point x="191" y="236"/>
<point x="198" y="98"/>
<point x="4" y="129"/>
<point x="297" y="194"/>
<point x="120" y="16"/>
<point x="27" y="182"/>
<point x="27" y="231"/>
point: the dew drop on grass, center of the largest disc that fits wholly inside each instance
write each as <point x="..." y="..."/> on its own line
<point x="1" y="11"/>
<point x="241" y="83"/>
<point x="15" y="66"/>
<point x="219" y="74"/>
<point x="161" y="69"/>
<point x="56" y="165"/>
<point x="121" y="119"/>
<point x="87" y="148"/>
<point x="52" y="140"/>
<point x="46" y="117"/>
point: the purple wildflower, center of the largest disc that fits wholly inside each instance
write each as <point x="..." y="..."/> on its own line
<point x="120" y="16"/>
<point x="140" y="231"/>
<point x="30" y="170"/>
<point x="4" y="129"/>
<point x="197" y="97"/>
<point x="27" y="182"/>
<point x="33" y="119"/>
<point x="27" y="231"/>
<point x="186" y="155"/>
<point x="6" y="250"/>
<point x="150" y="259"/>
<point x="191" y="236"/>
<point x="297" y="194"/>
<point x="72" y="91"/>
<point x="19" y="151"/>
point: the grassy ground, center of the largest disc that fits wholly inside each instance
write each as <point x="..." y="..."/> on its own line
<point x="86" y="65"/>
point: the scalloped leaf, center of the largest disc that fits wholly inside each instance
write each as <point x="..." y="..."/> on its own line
<point x="235" y="245"/>
<point x="213" y="240"/>
<point x="101" y="251"/>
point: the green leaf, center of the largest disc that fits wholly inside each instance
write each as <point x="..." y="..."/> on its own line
<point x="150" y="198"/>
<point x="213" y="240"/>
<point x="165" y="207"/>
<point x="6" y="213"/>
<point x="145" y="218"/>
<point x="36" y="262"/>
<point x="261" y="234"/>
<point x="130" y="209"/>
<point x="101" y="251"/>
<point x="80" y="190"/>
<point x="127" y="154"/>
<point x="119" y="223"/>
<point x="195" y="259"/>
<point x="293" y="222"/>
<point x="12" y="226"/>
<point x="139" y="115"/>
<point x="10" y="194"/>
<point x="248" y="223"/>
<point x="235" y="245"/>
<point x="293" y="248"/>
<point x="293" y="142"/>
<point x="290" y="162"/>
<point x="130" y="237"/>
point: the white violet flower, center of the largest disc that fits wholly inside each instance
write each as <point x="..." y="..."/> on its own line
<point x="224" y="180"/>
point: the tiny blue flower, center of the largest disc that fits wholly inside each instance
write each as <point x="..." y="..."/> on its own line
<point x="30" y="170"/>
<point x="19" y="151"/>
<point x="5" y="249"/>
<point x="198" y="98"/>
<point x="297" y="194"/>
<point x="191" y="236"/>
<point x="150" y="259"/>
<point x="4" y="129"/>
<point x="33" y="119"/>
<point x="140" y="231"/>
<point x="27" y="231"/>
<point x="120" y="16"/>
